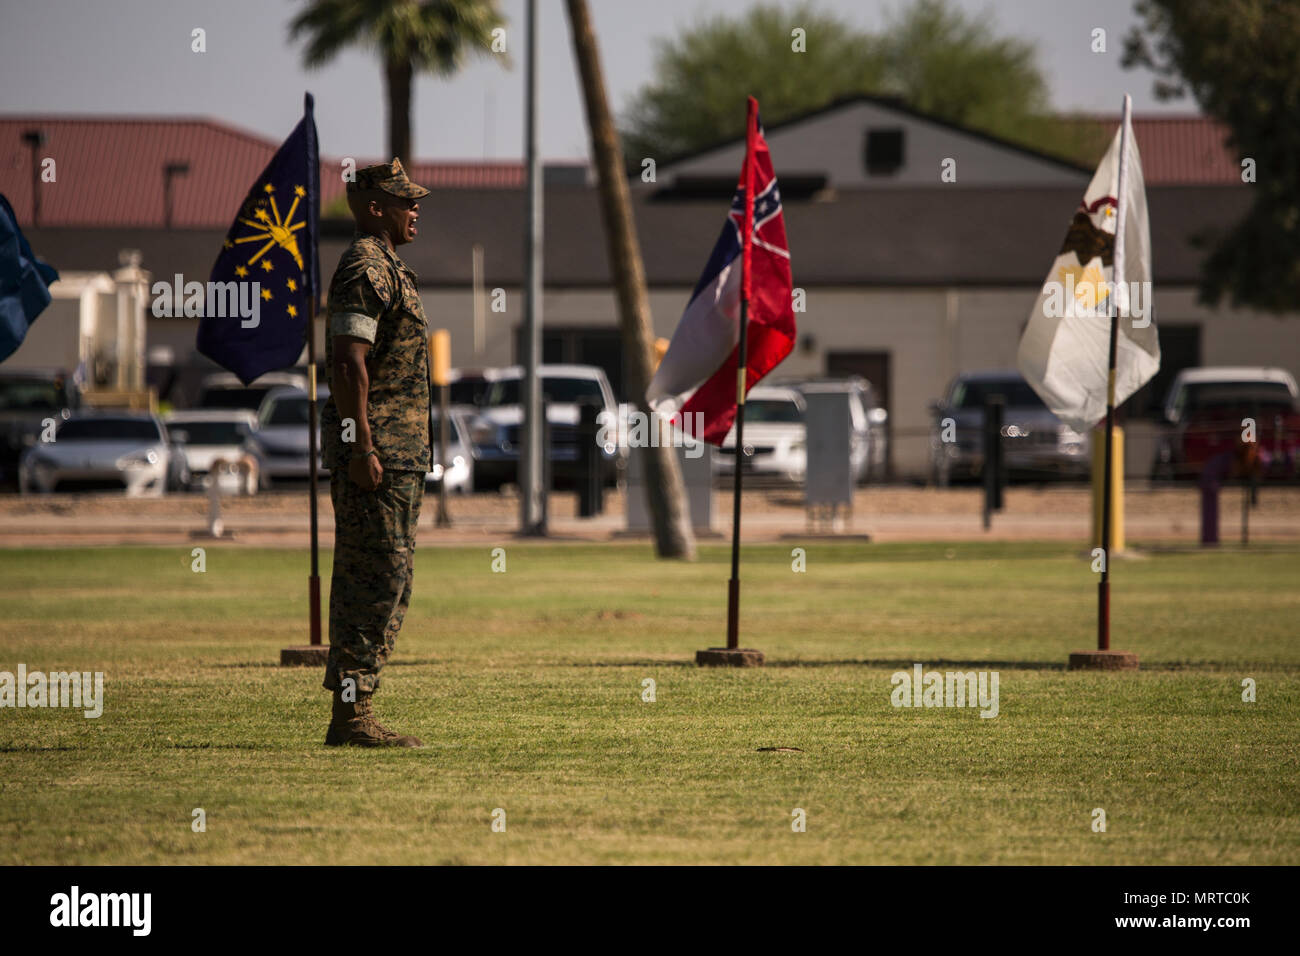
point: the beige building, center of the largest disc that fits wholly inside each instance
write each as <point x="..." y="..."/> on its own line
<point x="94" y="327"/>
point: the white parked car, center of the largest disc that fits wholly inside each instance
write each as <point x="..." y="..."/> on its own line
<point x="206" y="435"/>
<point x="774" y="436"/>
<point x="109" y="451"/>
<point x="460" y="454"/>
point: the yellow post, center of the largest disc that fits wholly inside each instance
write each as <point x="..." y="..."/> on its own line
<point x="1117" y="487"/>
<point x="661" y="349"/>
<point x="439" y="357"/>
<point x="439" y="379"/>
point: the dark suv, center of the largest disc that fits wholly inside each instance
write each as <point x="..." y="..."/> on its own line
<point x="1035" y="443"/>
<point x="27" y="400"/>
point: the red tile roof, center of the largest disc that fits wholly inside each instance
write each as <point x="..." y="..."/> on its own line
<point x="109" y="170"/>
<point x="1180" y="150"/>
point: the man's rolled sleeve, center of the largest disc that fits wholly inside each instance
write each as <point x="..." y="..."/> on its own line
<point x="358" y="300"/>
<point x="354" y="324"/>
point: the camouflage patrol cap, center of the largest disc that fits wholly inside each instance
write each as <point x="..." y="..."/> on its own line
<point x="389" y="177"/>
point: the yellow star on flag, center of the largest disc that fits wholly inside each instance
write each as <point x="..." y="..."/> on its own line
<point x="241" y="271"/>
<point x="266" y="265"/>
<point x="293" y="286"/>
<point x="293" y="310"/>
<point x="266" y="294"/>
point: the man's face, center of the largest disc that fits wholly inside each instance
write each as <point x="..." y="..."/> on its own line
<point x="398" y="217"/>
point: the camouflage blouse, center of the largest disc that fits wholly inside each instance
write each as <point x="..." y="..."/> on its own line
<point x="373" y="296"/>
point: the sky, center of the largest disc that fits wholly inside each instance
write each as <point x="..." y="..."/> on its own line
<point x="134" y="57"/>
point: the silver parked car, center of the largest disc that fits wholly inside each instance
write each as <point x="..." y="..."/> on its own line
<point x="283" y="432"/>
<point x="495" y="430"/>
<point x="108" y="451"/>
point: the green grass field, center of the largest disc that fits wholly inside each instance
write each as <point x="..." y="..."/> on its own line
<point x="527" y="686"/>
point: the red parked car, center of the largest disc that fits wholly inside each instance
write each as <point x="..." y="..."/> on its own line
<point x="1212" y="411"/>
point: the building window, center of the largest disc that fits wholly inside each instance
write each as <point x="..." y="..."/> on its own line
<point x="883" y="151"/>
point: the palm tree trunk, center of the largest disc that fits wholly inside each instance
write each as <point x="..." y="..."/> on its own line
<point x="397" y="80"/>
<point x="665" y="489"/>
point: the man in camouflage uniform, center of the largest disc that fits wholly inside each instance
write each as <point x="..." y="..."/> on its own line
<point x="375" y="430"/>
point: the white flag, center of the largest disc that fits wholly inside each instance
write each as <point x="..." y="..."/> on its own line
<point x="1065" y="351"/>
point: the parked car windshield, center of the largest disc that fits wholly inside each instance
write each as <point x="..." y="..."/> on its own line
<point x="453" y="429"/>
<point x="249" y="399"/>
<point x="1016" y="393"/>
<point x="211" y="433"/>
<point x="31" y="395"/>
<point x="468" y="391"/>
<point x="1199" y="395"/>
<point x="772" y="410"/>
<point x="564" y="391"/>
<point x="290" y="411"/>
<point x="109" y="429"/>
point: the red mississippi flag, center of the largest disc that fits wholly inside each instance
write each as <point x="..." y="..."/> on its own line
<point x="698" y="373"/>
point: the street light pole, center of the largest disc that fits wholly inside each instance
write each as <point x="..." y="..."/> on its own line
<point x="532" y="517"/>
<point x="35" y="139"/>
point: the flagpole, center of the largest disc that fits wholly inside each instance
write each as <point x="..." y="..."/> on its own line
<point x="742" y="348"/>
<point x="313" y="582"/>
<point x="1117" y="276"/>
<point x="313" y="413"/>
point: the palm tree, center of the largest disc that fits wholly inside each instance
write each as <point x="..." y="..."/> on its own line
<point x="434" y="35"/>
<point x="665" y="489"/>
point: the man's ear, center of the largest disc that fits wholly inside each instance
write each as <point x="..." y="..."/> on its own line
<point x="376" y="208"/>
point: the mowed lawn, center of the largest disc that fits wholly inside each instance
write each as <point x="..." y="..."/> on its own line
<point x="528" y="687"/>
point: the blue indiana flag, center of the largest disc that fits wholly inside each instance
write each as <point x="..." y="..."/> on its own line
<point x="271" y="243"/>
<point x="24" y="283"/>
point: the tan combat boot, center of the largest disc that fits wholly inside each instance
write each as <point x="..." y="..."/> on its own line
<point x="354" y="724"/>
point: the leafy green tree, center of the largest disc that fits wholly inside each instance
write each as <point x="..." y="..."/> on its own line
<point x="1240" y="61"/>
<point x="932" y="56"/>
<point x="705" y="74"/>
<point x="409" y="36"/>
<point x="942" y="62"/>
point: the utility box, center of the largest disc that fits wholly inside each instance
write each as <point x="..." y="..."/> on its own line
<point x="828" y="442"/>
<point x="697" y="473"/>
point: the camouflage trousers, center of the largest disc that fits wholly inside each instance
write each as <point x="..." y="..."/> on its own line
<point x="374" y="561"/>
